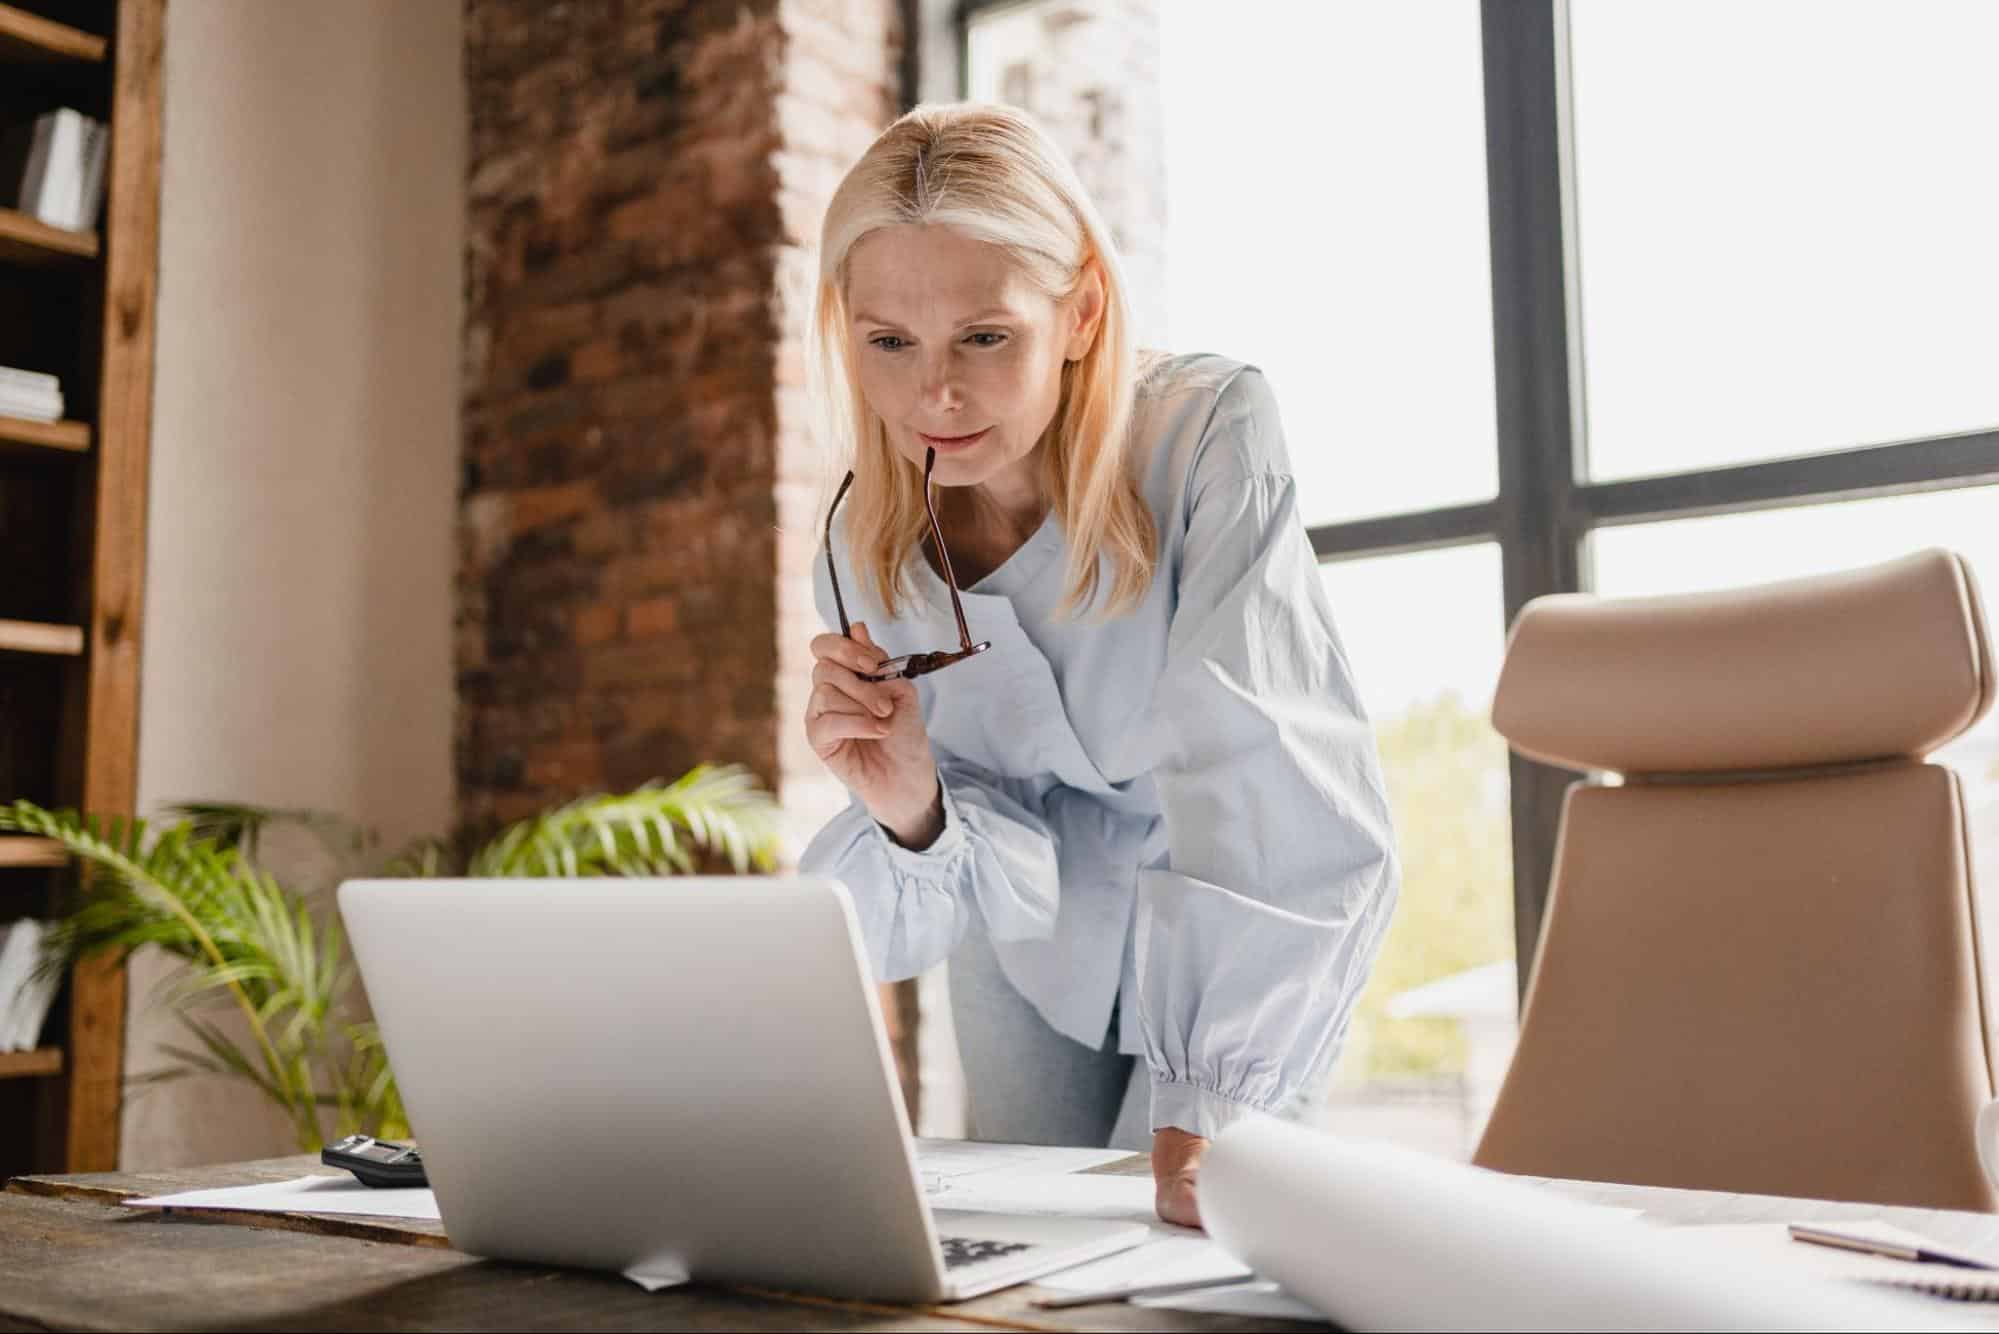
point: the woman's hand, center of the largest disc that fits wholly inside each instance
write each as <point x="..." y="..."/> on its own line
<point x="870" y="734"/>
<point x="1176" y="1165"/>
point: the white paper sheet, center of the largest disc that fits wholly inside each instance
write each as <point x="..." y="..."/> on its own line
<point x="1380" y="1237"/>
<point x="306" y="1195"/>
<point x="955" y="1159"/>
<point x="1167" y="1260"/>
<point x="1247" y="1299"/>
<point x="1122" y="1199"/>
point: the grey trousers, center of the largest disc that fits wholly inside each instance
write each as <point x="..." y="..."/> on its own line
<point x="1027" y="1084"/>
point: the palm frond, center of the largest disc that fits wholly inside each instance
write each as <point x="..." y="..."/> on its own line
<point x="241" y="825"/>
<point x="721" y="810"/>
<point x="252" y="946"/>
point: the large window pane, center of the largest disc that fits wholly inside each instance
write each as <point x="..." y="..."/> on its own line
<point x="1435" y="1026"/>
<point x="1325" y="176"/>
<point x="1786" y="213"/>
<point x="1739" y="549"/>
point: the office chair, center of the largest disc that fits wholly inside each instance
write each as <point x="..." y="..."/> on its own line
<point x="1759" y="967"/>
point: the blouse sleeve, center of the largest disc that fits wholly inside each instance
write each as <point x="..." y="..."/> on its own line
<point x="1257" y="932"/>
<point x="996" y="855"/>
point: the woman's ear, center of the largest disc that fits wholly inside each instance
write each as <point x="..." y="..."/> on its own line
<point x="1087" y="304"/>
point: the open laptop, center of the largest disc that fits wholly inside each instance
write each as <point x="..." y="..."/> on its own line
<point x="672" y="1079"/>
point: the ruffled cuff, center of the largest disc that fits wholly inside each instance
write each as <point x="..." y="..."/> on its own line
<point x="1196" y="1109"/>
<point x="928" y="866"/>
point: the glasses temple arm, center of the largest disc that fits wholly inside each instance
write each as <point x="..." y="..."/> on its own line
<point x="943" y="556"/>
<point x="832" y="577"/>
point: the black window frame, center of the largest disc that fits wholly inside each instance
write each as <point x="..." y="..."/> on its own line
<point x="1546" y="506"/>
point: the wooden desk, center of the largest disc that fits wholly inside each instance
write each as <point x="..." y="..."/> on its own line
<point x="72" y="1258"/>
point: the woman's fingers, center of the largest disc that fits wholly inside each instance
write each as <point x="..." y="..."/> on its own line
<point x="856" y="657"/>
<point x="832" y="717"/>
<point x="870" y="695"/>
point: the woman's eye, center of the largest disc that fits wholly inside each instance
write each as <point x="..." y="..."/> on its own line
<point x="891" y="343"/>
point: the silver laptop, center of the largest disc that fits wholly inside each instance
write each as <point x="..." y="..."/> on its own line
<point x="677" y="1078"/>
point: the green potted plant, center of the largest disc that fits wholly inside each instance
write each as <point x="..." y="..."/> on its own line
<point x="259" y="947"/>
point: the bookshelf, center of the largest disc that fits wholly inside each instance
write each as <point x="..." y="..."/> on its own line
<point x="77" y="304"/>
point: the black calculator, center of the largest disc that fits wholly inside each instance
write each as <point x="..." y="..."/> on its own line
<point x="376" y="1162"/>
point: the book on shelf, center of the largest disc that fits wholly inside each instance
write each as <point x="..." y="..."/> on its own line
<point x="32" y="395"/>
<point x="25" y="997"/>
<point x="52" y="168"/>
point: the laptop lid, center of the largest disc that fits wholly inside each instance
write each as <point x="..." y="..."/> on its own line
<point x="684" y="1075"/>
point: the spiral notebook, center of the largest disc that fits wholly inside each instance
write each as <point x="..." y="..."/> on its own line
<point x="1772" y="1242"/>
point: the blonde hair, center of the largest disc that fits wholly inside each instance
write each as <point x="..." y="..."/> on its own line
<point x="991" y="173"/>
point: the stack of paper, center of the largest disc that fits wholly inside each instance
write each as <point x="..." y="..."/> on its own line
<point x="30" y="394"/>
<point x="53" y="169"/>
<point x="24" y="997"/>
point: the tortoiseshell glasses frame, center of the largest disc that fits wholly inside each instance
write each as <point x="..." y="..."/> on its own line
<point x="910" y="665"/>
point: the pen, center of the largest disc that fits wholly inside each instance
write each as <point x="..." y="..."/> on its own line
<point x="1848" y="1241"/>
<point x="1142" y="1290"/>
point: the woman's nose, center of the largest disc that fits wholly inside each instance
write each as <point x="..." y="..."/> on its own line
<point x="939" y="385"/>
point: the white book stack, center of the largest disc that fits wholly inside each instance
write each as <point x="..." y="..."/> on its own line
<point x="31" y="395"/>
<point x="53" y="169"/>
<point x="24" y="998"/>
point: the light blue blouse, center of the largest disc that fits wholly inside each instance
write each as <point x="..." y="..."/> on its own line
<point x="1182" y="805"/>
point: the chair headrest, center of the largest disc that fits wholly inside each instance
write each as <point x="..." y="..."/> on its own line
<point x="1883" y="661"/>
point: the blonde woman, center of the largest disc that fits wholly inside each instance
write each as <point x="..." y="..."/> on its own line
<point x="1103" y="746"/>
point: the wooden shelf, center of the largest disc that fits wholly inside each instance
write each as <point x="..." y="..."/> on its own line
<point x="24" y="850"/>
<point x="27" y="240"/>
<point x="40" y="1061"/>
<point x="30" y="39"/>
<point x="65" y="435"/>
<point x="38" y="637"/>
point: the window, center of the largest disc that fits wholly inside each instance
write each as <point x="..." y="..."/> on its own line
<point x="1655" y="282"/>
<point x="1326" y="221"/>
<point x="1434" y="1028"/>
<point x="1785" y="221"/>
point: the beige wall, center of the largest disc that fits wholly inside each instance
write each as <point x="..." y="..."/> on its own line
<point x="305" y="448"/>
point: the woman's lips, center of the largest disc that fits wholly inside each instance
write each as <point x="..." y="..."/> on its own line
<point x="944" y="444"/>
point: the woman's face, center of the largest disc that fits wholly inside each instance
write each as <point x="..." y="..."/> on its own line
<point x="951" y="340"/>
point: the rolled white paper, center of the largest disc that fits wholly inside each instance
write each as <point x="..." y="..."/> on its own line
<point x="1379" y="1237"/>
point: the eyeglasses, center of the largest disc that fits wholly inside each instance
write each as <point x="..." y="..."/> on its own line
<point x="910" y="665"/>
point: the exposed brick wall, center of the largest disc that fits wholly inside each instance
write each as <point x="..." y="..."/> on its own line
<point x="644" y="177"/>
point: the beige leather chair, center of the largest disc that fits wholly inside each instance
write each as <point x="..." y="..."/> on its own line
<point x="1759" y="968"/>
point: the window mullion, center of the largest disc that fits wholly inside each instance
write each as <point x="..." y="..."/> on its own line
<point x="1539" y="426"/>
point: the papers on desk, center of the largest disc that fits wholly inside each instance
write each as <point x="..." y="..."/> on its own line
<point x="1016" y="1179"/>
<point x="305" y="1195"/>
<point x="954" y="1165"/>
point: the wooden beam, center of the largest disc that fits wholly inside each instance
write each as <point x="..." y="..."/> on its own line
<point x="118" y="561"/>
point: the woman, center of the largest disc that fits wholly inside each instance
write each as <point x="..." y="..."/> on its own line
<point x="1146" y="825"/>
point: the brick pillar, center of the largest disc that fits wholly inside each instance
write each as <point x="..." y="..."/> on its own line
<point x="645" y="186"/>
<point x="645" y="178"/>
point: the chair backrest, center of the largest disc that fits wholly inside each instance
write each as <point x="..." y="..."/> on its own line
<point x="1759" y="967"/>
